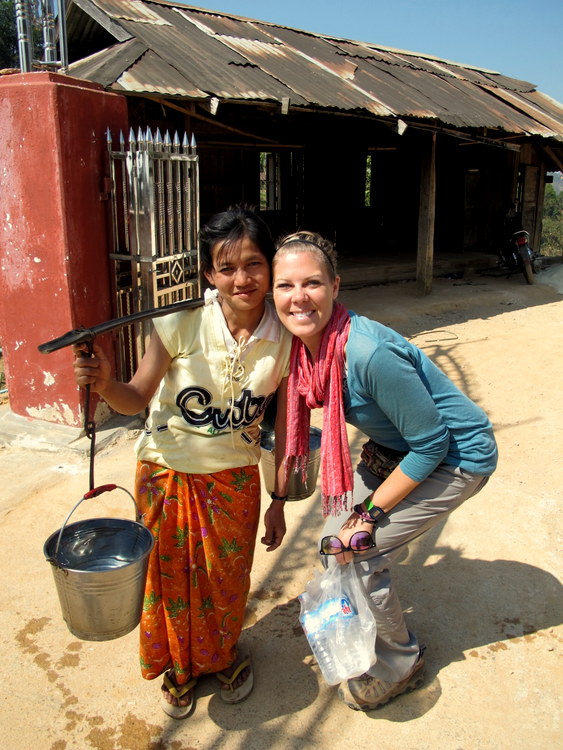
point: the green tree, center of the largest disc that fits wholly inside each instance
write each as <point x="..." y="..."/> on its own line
<point x="9" y="57"/>
<point x="553" y="203"/>
<point x="8" y="35"/>
<point x="552" y="228"/>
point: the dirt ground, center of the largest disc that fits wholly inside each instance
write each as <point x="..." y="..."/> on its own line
<point x="483" y="591"/>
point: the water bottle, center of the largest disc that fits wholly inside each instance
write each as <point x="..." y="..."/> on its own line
<point x="330" y="631"/>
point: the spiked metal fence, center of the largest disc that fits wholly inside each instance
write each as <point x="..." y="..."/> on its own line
<point x="154" y="191"/>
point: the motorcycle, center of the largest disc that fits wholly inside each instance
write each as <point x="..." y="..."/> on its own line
<point x="518" y="257"/>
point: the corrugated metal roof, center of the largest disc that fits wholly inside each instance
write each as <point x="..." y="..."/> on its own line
<point x="132" y="10"/>
<point x="192" y="53"/>
<point x="307" y="76"/>
<point x="156" y="76"/>
<point x="216" y="67"/>
<point x="105" y="67"/>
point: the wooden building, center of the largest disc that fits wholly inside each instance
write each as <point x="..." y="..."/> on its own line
<point x="393" y="155"/>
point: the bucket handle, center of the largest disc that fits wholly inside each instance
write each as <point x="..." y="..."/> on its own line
<point x="91" y="493"/>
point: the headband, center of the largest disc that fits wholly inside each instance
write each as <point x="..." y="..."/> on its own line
<point x="308" y="242"/>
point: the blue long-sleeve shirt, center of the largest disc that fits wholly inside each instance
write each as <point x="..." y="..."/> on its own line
<point x="400" y="399"/>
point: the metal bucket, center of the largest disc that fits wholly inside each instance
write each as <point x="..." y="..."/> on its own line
<point x="100" y="568"/>
<point x="298" y="489"/>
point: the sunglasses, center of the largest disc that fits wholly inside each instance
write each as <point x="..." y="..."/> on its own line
<point x="359" y="542"/>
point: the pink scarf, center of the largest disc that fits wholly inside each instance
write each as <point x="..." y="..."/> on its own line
<point x="315" y="384"/>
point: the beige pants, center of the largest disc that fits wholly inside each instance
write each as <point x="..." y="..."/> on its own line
<point x="444" y="490"/>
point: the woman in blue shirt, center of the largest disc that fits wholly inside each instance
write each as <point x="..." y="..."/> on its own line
<point x="430" y="447"/>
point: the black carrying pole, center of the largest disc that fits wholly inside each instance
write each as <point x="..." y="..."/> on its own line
<point x="90" y="428"/>
<point x="87" y="335"/>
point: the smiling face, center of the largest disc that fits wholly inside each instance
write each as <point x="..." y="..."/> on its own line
<point x="304" y="294"/>
<point x="241" y="275"/>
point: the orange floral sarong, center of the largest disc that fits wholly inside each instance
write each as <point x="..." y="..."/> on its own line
<point x="198" y="579"/>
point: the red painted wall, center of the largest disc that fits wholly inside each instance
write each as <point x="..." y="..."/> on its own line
<point x="54" y="241"/>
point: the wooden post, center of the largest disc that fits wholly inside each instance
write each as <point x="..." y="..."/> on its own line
<point x="532" y="202"/>
<point x="426" y="219"/>
<point x="535" y="239"/>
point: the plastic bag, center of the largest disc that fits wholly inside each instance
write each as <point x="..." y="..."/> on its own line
<point x="338" y="622"/>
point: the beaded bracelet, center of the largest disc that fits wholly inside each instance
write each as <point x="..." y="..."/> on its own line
<point x="363" y="515"/>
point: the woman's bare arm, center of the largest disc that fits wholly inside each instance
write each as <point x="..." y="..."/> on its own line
<point x="274" y="518"/>
<point x="124" y="398"/>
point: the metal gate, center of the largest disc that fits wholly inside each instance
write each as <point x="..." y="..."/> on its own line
<point x="154" y="196"/>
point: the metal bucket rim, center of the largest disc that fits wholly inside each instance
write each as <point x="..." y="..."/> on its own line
<point x="94" y="492"/>
<point x="70" y="527"/>
<point x="270" y="435"/>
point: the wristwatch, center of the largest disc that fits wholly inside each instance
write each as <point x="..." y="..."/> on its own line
<point x="278" y="497"/>
<point x="376" y="514"/>
<point x="364" y="515"/>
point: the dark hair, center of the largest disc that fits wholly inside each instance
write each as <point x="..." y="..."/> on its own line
<point x="229" y="228"/>
<point x="302" y="242"/>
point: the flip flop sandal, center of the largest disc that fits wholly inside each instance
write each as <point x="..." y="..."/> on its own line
<point x="177" y="712"/>
<point x="236" y="695"/>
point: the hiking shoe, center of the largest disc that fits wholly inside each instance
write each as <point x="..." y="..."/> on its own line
<point x="364" y="693"/>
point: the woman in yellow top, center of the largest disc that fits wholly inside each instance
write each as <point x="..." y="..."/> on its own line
<point x="209" y="374"/>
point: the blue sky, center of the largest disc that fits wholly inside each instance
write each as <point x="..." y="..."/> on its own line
<point x="522" y="39"/>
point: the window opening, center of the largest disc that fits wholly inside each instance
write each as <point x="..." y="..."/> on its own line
<point x="270" y="183"/>
<point x="367" y="185"/>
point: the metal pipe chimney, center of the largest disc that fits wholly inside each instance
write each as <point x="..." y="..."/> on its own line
<point x="49" y="36"/>
<point x="63" y="42"/>
<point x="24" y="31"/>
